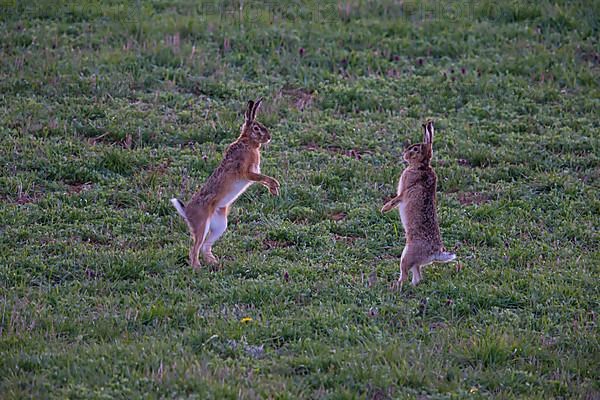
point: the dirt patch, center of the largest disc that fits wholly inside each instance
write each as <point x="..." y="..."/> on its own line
<point x="275" y="244"/>
<point x="162" y="167"/>
<point x="357" y="154"/>
<point x="300" y="98"/>
<point x="590" y="177"/>
<point x="107" y="138"/>
<point x="339" y="216"/>
<point x="589" y="56"/>
<point x="470" y="198"/>
<point x="77" y="188"/>
<point x="345" y="239"/>
<point x="438" y="326"/>
<point x="23" y="197"/>
<point x="26" y="198"/>
<point x="127" y="143"/>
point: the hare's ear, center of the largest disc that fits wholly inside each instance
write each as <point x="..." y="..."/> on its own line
<point x="428" y="132"/>
<point x="248" y="115"/>
<point x="256" y="107"/>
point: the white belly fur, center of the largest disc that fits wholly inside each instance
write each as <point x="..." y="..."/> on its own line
<point x="235" y="191"/>
<point x="403" y="215"/>
<point x="402" y="206"/>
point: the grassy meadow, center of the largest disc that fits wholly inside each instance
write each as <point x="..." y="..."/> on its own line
<point x="108" y="109"/>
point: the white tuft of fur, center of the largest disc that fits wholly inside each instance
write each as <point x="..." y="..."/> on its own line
<point x="179" y="207"/>
<point x="445" y="257"/>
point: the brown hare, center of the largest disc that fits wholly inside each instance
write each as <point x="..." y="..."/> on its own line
<point x="416" y="203"/>
<point x="206" y="213"/>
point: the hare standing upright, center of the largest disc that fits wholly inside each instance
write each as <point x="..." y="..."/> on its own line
<point x="416" y="203"/>
<point x="206" y="213"/>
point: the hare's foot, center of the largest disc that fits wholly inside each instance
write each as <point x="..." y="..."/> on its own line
<point x="404" y="268"/>
<point x="416" y="275"/>
<point x="195" y="263"/>
<point x="218" y="225"/>
<point x="209" y="258"/>
<point x="199" y="232"/>
<point x="396" y="286"/>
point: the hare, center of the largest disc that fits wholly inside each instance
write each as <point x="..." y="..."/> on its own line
<point x="416" y="203"/>
<point x="206" y="213"/>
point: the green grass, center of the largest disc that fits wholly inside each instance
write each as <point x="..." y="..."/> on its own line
<point x="108" y="109"/>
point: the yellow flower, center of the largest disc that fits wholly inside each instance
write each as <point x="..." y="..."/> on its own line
<point x="473" y="390"/>
<point x="245" y="319"/>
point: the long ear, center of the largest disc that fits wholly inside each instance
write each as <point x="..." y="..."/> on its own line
<point x="248" y="115"/>
<point x="428" y="132"/>
<point x="256" y="107"/>
<point x="430" y="126"/>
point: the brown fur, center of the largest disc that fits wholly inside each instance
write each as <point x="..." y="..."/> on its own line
<point x="206" y="213"/>
<point x="416" y="201"/>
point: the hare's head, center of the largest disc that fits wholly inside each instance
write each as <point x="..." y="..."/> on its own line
<point x="421" y="153"/>
<point x="252" y="128"/>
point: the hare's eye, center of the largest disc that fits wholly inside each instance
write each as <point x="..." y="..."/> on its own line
<point x="255" y="129"/>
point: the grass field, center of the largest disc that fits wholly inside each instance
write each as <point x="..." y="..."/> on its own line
<point x="108" y="109"/>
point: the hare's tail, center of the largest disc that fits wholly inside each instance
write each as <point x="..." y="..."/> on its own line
<point x="180" y="208"/>
<point x="445" y="257"/>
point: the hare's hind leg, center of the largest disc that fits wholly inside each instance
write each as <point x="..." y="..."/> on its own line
<point x="416" y="275"/>
<point x="199" y="233"/>
<point x="218" y="225"/>
<point x="405" y="265"/>
<point x="411" y="260"/>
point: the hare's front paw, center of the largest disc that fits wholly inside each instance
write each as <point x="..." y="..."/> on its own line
<point x="274" y="187"/>
<point x="387" y="207"/>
